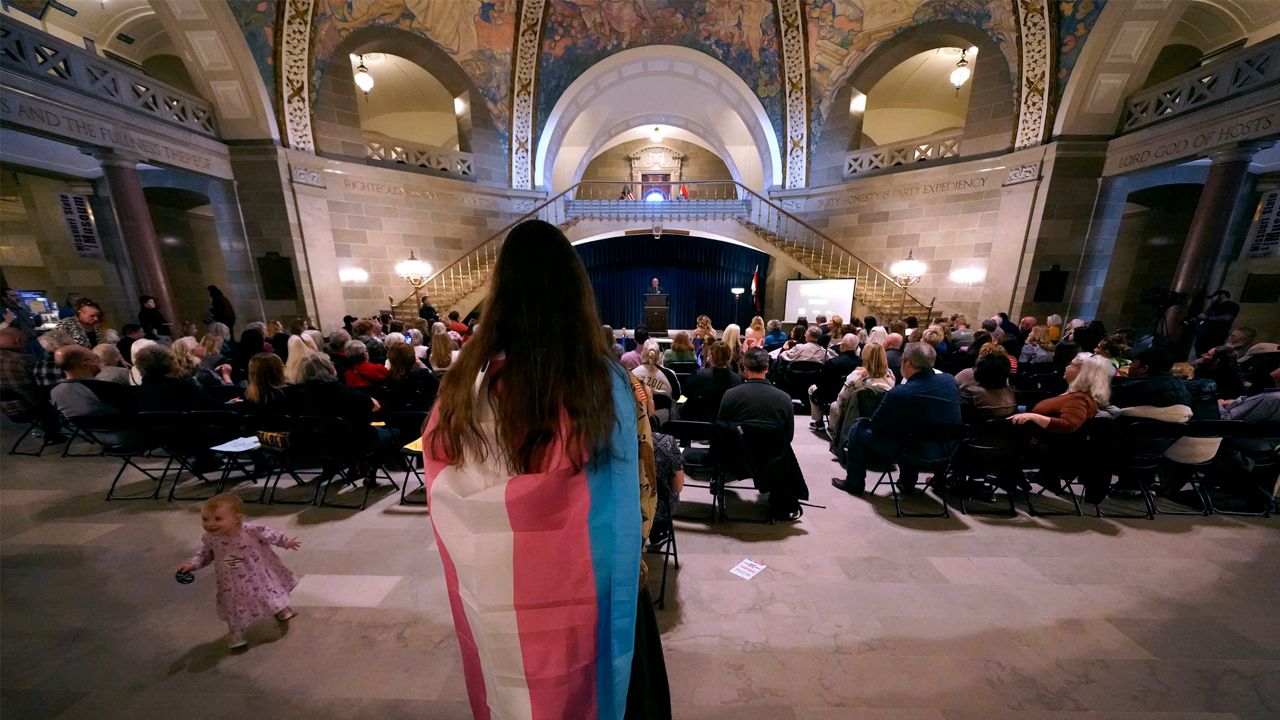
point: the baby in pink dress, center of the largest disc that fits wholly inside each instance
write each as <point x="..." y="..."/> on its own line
<point x="252" y="581"/>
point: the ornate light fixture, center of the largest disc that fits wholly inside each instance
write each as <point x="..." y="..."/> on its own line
<point x="656" y="134"/>
<point x="363" y="79"/>
<point x="961" y="74"/>
<point x="416" y="272"/>
<point x="909" y="271"/>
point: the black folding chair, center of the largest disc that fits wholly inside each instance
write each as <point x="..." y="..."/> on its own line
<point x="699" y="460"/>
<point x="1259" y="444"/>
<point x="409" y="424"/>
<point x="798" y="377"/>
<point x="31" y="421"/>
<point x="334" y="443"/>
<point x="1137" y="450"/>
<point x="217" y="427"/>
<point x="135" y="445"/>
<point x="951" y="434"/>
<point x="985" y="462"/>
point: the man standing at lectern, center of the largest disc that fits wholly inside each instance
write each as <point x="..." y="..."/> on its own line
<point x="655" y="288"/>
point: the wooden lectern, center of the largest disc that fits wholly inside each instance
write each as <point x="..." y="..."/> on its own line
<point x="655" y="313"/>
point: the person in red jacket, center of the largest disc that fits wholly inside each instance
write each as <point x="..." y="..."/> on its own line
<point x="361" y="372"/>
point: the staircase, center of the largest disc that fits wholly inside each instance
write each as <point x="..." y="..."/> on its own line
<point x="459" y="285"/>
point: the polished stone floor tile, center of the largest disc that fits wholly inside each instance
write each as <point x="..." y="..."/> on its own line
<point x="859" y="615"/>
<point x="343" y="590"/>
<point x="60" y="533"/>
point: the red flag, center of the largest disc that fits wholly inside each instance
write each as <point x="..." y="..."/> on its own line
<point x="755" y="283"/>
<point x="684" y="191"/>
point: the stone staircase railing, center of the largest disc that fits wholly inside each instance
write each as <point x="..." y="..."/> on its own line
<point x="885" y="157"/>
<point x="1234" y="73"/>
<point x="709" y="200"/>
<point x="36" y="54"/>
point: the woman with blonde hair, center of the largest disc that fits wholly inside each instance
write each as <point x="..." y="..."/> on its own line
<point x="1038" y="348"/>
<point x="1089" y="387"/>
<point x="754" y="337"/>
<point x="733" y="338"/>
<point x="652" y="374"/>
<point x="188" y="364"/>
<point x="836" y="329"/>
<point x="1055" y="327"/>
<point x="298" y="351"/>
<point x="873" y="373"/>
<point x="442" y="352"/>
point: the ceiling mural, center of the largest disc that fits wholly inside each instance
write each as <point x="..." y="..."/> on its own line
<point x="742" y="34"/>
<point x="478" y="34"/>
<point x="257" y="20"/>
<point x="1075" y="20"/>
<point x="843" y="32"/>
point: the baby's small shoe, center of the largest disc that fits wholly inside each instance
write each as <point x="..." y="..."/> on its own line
<point x="236" y="640"/>
<point x="286" y="614"/>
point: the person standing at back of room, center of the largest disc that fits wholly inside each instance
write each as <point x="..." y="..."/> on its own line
<point x="534" y="447"/>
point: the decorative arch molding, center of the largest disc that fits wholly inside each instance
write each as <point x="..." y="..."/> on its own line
<point x="523" y="88"/>
<point x="716" y="85"/>
<point x="795" y="71"/>
<point x="853" y="68"/>
<point x="294" y="67"/>
<point x="1034" y="31"/>
<point x="997" y="131"/>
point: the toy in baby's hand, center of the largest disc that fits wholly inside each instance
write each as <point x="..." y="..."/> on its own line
<point x="185" y="578"/>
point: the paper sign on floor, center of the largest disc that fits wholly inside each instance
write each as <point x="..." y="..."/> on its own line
<point x="747" y="569"/>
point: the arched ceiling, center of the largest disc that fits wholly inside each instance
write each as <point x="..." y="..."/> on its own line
<point x="671" y="86"/>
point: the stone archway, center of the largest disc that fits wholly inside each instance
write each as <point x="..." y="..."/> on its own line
<point x="622" y="87"/>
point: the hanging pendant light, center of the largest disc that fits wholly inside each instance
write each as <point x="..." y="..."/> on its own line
<point x="655" y="135"/>
<point x="363" y="79"/>
<point x="961" y="74"/>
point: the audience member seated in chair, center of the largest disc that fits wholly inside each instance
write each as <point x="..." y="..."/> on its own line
<point x="362" y="373"/>
<point x="874" y="374"/>
<point x="79" y="396"/>
<point x="766" y="414"/>
<point x="834" y="373"/>
<point x="1088" y="388"/>
<point x="409" y="386"/>
<point x="650" y="372"/>
<point x="707" y="387"/>
<point x="924" y="398"/>
<point x="809" y="351"/>
<point x="23" y="398"/>
<point x="320" y="393"/>
<point x="985" y="387"/>
<point x="160" y="391"/>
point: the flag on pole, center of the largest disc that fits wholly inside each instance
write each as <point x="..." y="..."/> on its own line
<point x="755" y="283"/>
<point x="684" y="191"/>
<point x="626" y="193"/>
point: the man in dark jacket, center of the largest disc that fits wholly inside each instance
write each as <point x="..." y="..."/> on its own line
<point x="834" y="373"/>
<point x="1150" y="382"/>
<point x="925" y="397"/>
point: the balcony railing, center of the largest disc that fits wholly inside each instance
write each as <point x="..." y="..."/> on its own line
<point x="1235" y="73"/>
<point x="391" y="152"/>
<point x="28" y="51"/>
<point x="883" y="157"/>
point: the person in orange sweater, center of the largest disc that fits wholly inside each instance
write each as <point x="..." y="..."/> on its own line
<point x="1089" y="387"/>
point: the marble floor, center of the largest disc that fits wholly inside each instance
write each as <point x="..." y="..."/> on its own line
<point x="857" y="614"/>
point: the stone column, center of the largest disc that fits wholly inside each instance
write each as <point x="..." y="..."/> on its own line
<point x="1208" y="232"/>
<point x="138" y="234"/>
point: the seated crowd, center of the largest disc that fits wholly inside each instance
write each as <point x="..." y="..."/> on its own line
<point x="869" y="386"/>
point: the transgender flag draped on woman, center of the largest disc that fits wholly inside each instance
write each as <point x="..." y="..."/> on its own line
<point x="542" y="569"/>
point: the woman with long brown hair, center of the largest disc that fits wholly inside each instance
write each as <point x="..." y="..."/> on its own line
<point x="532" y="467"/>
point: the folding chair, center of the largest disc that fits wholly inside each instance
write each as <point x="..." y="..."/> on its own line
<point x="666" y="547"/>
<point x="32" y="423"/>
<point x="949" y="433"/>
<point x="989" y="453"/>
<point x="276" y="435"/>
<point x="138" y="444"/>
<point x="698" y="460"/>
<point x="1138" y="452"/>
<point x="333" y="441"/>
<point x="1260" y="443"/>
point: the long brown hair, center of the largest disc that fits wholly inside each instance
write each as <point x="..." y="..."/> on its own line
<point x="266" y="373"/>
<point x="548" y="390"/>
<point x="403" y="361"/>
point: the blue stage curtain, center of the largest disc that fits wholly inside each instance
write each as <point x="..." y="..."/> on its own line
<point x="697" y="273"/>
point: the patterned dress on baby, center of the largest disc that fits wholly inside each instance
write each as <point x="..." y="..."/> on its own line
<point x="252" y="580"/>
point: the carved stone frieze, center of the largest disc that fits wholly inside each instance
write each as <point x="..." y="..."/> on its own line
<point x="795" y="83"/>
<point x="522" y="92"/>
<point x="1033" y="91"/>
<point x="295" y="74"/>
